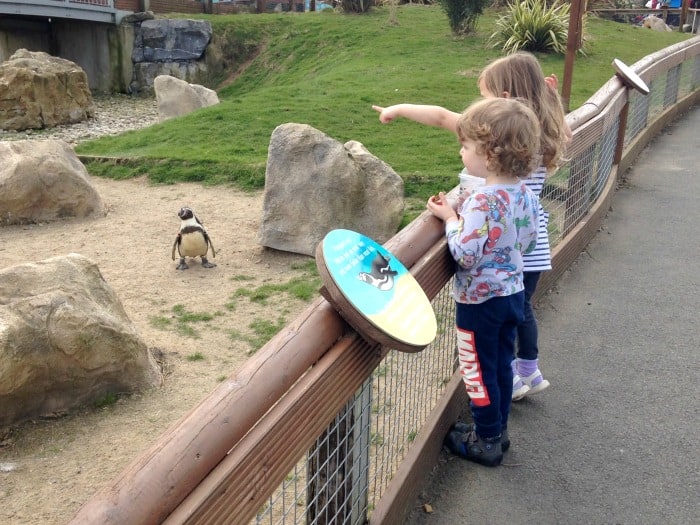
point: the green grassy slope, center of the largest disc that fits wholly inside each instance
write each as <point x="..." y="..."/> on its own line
<point x="326" y="69"/>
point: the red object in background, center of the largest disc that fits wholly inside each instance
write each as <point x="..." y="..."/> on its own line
<point x="654" y="3"/>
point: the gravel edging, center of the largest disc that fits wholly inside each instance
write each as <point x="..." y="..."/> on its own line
<point x="114" y="114"/>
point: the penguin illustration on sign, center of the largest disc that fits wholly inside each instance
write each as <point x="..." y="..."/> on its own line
<point x="192" y="240"/>
<point x="381" y="276"/>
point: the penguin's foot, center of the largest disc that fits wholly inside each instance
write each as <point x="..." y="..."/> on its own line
<point x="182" y="265"/>
<point x="207" y="264"/>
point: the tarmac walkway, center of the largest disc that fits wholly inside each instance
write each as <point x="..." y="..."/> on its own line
<point x="616" y="437"/>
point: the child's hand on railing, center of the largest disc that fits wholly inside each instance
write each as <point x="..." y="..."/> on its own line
<point x="439" y="206"/>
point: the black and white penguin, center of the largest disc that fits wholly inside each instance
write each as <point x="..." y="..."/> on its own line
<point x="192" y="240"/>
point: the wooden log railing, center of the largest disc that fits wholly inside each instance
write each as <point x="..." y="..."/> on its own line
<point x="216" y="465"/>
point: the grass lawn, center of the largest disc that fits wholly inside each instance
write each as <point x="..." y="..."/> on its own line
<point x="326" y="69"/>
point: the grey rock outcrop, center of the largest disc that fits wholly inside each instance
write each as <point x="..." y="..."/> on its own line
<point x="43" y="180"/>
<point x="176" y="97"/>
<point x="655" y="23"/>
<point x="173" y="47"/>
<point x="65" y="340"/>
<point x="314" y="184"/>
<point x="38" y="90"/>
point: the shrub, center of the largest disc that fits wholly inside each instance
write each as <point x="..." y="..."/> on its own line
<point x="531" y="25"/>
<point x="463" y="14"/>
<point x="356" y="6"/>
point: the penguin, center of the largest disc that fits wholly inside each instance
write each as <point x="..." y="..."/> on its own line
<point x="192" y="240"/>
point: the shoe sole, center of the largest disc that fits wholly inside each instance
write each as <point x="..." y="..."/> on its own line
<point x="537" y="388"/>
<point x="520" y="393"/>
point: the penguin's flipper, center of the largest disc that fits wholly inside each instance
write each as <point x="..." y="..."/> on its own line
<point x="176" y="245"/>
<point x="211" y="244"/>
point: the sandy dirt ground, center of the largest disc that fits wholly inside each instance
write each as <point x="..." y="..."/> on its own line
<point x="50" y="467"/>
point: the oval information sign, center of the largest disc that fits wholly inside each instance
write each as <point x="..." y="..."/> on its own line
<point x="363" y="275"/>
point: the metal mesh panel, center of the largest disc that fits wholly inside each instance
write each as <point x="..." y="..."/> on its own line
<point x="641" y="109"/>
<point x="673" y="77"/>
<point x="348" y="469"/>
<point x="656" y="97"/>
<point x="686" y="82"/>
<point x="605" y="156"/>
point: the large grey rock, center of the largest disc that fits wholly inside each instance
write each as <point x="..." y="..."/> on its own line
<point x="38" y="90"/>
<point x="655" y="23"/>
<point x="164" y="40"/>
<point x="43" y="180"/>
<point x="174" y="47"/>
<point x="65" y="340"/>
<point x="145" y="74"/>
<point x="314" y="184"/>
<point x="176" y="97"/>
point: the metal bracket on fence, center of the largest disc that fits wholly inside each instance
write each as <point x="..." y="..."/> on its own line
<point x="630" y="79"/>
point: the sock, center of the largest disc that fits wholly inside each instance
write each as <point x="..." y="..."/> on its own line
<point x="527" y="367"/>
<point x="513" y="365"/>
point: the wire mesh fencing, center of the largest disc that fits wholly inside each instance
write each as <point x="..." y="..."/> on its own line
<point x="344" y="475"/>
<point x="347" y="470"/>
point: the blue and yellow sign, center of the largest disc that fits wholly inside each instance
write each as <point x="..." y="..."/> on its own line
<point x="379" y="288"/>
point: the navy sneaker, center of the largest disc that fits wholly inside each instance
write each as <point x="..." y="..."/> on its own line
<point x="465" y="428"/>
<point x="471" y="447"/>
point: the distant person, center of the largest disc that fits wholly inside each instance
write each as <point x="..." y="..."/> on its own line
<point x="672" y="19"/>
<point x="487" y="237"/>
<point x="518" y="75"/>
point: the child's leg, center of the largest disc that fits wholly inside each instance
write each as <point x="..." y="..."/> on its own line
<point x="527" y="377"/>
<point x="478" y="329"/>
<point x="481" y="341"/>
<point x="512" y="316"/>
<point x="527" y="330"/>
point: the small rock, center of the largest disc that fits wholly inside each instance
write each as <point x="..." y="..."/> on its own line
<point x="8" y="467"/>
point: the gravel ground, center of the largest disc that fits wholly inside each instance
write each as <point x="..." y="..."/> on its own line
<point x="114" y="114"/>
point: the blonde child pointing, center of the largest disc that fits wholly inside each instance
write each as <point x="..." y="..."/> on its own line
<point x="515" y="76"/>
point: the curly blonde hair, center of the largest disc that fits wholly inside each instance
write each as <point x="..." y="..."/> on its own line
<point x="521" y="76"/>
<point x="506" y="131"/>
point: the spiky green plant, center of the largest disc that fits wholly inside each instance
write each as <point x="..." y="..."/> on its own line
<point x="532" y="25"/>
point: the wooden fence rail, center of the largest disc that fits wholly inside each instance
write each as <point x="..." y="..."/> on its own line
<point x="216" y="465"/>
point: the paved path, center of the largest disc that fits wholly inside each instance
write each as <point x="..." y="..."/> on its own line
<point x="616" y="438"/>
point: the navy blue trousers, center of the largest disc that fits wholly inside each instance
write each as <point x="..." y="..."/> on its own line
<point x="486" y="346"/>
<point x="527" y="330"/>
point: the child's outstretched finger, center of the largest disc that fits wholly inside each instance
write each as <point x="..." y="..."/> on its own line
<point x="378" y="109"/>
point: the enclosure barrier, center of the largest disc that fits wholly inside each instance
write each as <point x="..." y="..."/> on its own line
<point x="322" y="426"/>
